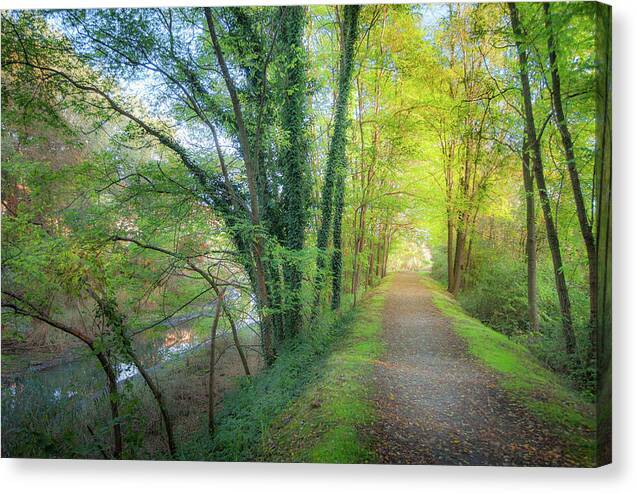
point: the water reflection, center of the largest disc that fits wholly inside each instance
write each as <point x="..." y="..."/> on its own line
<point x="81" y="377"/>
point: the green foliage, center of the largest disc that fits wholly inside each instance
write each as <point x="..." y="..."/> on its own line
<point x="254" y="406"/>
<point x="505" y="309"/>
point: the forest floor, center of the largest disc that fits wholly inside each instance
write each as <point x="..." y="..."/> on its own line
<point x="416" y="380"/>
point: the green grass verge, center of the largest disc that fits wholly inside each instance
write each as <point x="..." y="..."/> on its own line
<point x="323" y="425"/>
<point x="537" y="388"/>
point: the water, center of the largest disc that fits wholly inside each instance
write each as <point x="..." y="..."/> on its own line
<point x="79" y="376"/>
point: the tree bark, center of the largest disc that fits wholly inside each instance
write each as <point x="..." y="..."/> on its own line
<point x="604" y="224"/>
<point x="160" y="402"/>
<point x="113" y="397"/>
<point x="450" y="252"/>
<point x="461" y="238"/>
<point x="235" y="338"/>
<point x="531" y="240"/>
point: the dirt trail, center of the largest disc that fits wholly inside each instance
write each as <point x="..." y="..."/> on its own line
<point x="437" y="404"/>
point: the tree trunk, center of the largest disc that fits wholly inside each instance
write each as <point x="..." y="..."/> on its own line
<point x="211" y="368"/>
<point x="567" y="142"/>
<point x="113" y="398"/>
<point x="337" y="254"/>
<point x="336" y="155"/>
<point x="450" y="252"/>
<point x="531" y="240"/>
<point x="351" y="33"/>
<point x="235" y="339"/>
<point x="370" y="267"/>
<point x="604" y="223"/>
<point x="355" y="256"/>
<point x="359" y="246"/>
<point x="295" y="168"/>
<point x="538" y="170"/>
<point x="160" y="402"/>
<point x="389" y="238"/>
<point x="379" y="249"/>
<point x="116" y="320"/>
<point x="461" y="238"/>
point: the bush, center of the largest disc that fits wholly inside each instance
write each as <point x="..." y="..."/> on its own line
<point x="495" y="293"/>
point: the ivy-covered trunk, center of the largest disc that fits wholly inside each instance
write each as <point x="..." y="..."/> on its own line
<point x="294" y="161"/>
<point x="333" y="186"/>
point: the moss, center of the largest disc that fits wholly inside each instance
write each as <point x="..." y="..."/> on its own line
<point x="324" y="424"/>
<point x="538" y="389"/>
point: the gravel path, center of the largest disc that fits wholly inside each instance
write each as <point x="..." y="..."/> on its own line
<point x="436" y="404"/>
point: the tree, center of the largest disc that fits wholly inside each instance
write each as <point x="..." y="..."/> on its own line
<point x="332" y="195"/>
<point x="294" y="159"/>
<point x="531" y="239"/>
<point x="567" y="142"/>
<point x="538" y="170"/>
<point x="603" y="221"/>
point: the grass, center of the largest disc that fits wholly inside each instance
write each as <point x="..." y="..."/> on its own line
<point x="323" y="424"/>
<point x="538" y="389"/>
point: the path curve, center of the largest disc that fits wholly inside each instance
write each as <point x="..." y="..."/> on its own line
<point x="437" y="404"/>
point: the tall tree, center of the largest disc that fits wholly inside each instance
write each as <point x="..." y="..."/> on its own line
<point x="604" y="223"/>
<point x="334" y="181"/>
<point x="252" y="173"/>
<point x="294" y="157"/>
<point x="538" y="170"/>
<point x="531" y="239"/>
<point x="350" y="35"/>
<point x="569" y="153"/>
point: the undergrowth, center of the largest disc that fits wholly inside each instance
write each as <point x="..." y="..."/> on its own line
<point x="318" y="372"/>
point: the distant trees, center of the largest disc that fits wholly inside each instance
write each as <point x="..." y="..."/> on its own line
<point x="462" y="107"/>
